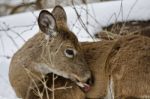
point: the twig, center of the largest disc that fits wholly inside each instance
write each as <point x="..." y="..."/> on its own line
<point x="81" y="21"/>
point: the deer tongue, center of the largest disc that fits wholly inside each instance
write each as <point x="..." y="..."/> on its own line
<point x="86" y="87"/>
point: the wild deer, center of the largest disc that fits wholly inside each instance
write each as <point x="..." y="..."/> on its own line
<point x="120" y="68"/>
<point x="53" y="50"/>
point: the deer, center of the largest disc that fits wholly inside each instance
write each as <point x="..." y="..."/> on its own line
<point x="107" y="69"/>
<point x="55" y="49"/>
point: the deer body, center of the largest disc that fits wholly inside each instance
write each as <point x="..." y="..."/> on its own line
<point x="121" y="66"/>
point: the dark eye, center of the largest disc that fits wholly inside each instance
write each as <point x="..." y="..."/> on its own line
<point x="70" y="52"/>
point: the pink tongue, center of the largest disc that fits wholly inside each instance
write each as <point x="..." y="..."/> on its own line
<point x="86" y="88"/>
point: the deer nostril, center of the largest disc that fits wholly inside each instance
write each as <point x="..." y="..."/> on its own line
<point x="90" y="81"/>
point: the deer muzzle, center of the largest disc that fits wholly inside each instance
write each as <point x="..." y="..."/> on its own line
<point x="84" y="83"/>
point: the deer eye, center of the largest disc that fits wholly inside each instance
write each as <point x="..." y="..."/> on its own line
<point x="69" y="52"/>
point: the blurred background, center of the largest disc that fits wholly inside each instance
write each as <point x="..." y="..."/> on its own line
<point x="8" y="7"/>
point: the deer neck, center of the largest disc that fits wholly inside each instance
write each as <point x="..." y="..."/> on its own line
<point x="96" y="54"/>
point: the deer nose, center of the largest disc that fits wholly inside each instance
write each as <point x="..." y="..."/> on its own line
<point x="90" y="81"/>
<point x="85" y="84"/>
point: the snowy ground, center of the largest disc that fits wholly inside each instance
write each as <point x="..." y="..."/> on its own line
<point x="16" y="29"/>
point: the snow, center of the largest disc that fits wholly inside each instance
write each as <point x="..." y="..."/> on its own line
<point x="14" y="2"/>
<point x="21" y="27"/>
<point x="6" y="91"/>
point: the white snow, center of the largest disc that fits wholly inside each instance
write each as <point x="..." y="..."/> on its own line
<point x="15" y="2"/>
<point x="21" y="27"/>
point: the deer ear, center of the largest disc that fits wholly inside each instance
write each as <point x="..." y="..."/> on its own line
<point x="47" y="23"/>
<point x="59" y="13"/>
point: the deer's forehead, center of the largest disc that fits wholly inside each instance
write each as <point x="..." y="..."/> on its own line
<point x="69" y="37"/>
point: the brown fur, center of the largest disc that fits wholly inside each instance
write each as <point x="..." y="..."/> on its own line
<point x="127" y="64"/>
<point x="96" y="54"/>
<point x="125" y="61"/>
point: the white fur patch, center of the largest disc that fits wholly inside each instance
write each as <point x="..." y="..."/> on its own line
<point x="54" y="33"/>
<point x="110" y="90"/>
<point x="42" y="68"/>
<point x="47" y="37"/>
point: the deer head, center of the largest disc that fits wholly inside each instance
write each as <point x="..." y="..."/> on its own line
<point x="63" y="54"/>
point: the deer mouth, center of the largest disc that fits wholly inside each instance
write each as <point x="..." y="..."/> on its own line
<point x="85" y="87"/>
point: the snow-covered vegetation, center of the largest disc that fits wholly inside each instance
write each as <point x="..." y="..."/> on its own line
<point x="15" y="30"/>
